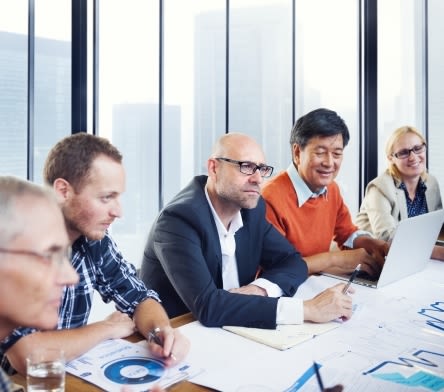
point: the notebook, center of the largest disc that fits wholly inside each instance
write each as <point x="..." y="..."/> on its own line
<point x="284" y="336"/>
<point x="409" y="252"/>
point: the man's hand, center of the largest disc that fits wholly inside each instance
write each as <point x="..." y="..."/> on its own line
<point x="120" y="325"/>
<point x="377" y="249"/>
<point x="349" y="259"/>
<point x="171" y="346"/>
<point x="329" y="305"/>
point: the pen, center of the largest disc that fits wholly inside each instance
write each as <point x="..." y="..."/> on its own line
<point x="352" y="278"/>
<point x="153" y="337"/>
<point x="318" y="376"/>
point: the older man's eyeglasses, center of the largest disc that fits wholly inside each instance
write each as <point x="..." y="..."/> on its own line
<point x="405" y="153"/>
<point x="56" y="257"/>
<point x="249" y="168"/>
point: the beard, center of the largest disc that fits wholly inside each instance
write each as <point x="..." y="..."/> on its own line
<point x="78" y="223"/>
<point x="238" y="198"/>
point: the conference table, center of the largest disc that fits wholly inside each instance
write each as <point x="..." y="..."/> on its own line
<point x="76" y="384"/>
<point x="394" y="341"/>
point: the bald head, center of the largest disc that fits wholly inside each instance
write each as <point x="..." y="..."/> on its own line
<point x="235" y="172"/>
<point x="238" y="146"/>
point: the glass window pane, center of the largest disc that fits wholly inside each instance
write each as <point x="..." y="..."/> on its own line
<point x="400" y="69"/>
<point x="260" y="77"/>
<point x="436" y="91"/>
<point x="52" y="80"/>
<point x="194" y="89"/>
<point x="327" y="65"/>
<point x="128" y="111"/>
<point x="13" y="87"/>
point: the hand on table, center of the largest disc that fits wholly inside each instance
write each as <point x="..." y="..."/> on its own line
<point x="121" y="325"/>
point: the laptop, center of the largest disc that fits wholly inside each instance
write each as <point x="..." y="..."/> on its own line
<point x="440" y="240"/>
<point x="409" y="252"/>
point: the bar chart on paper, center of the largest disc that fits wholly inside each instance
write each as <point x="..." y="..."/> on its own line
<point x="423" y="365"/>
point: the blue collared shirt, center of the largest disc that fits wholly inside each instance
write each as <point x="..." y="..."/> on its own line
<point x="301" y="188"/>
<point x="101" y="267"/>
<point x="418" y="205"/>
<point x="304" y="193"/>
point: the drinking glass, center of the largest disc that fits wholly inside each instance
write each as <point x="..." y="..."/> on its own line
<point x="45" y="370"/>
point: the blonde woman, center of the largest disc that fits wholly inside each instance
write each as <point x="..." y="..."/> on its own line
<point x="405" y="189"/>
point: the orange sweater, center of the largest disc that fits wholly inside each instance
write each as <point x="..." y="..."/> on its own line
<point x="312" y="227"/>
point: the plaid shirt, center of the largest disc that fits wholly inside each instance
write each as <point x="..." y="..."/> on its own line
<point x="101" y="267"/>
<point x="5" y="383"/>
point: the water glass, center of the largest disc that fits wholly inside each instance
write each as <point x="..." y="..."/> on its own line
<point x="45" y="370"/>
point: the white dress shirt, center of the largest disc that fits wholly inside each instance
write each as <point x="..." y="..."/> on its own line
<point x="289" y="310"/>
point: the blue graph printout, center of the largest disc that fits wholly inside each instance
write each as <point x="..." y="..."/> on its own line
<point x="421" y="367"/>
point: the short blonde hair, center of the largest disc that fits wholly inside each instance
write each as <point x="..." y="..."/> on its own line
<point x="394" y="137"/>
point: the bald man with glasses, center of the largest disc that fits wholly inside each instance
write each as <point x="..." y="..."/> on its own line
<point x="212" y="252"/>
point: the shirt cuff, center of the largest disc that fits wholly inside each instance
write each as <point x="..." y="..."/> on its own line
<point x="356" y="234"/>
<point x="272" y="289"/>
<point x="290" y="310"/>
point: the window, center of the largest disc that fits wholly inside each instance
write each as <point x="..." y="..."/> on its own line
<point x="194" y="87"/>
<point x="13" y="86"/>
<point x="400" y="70"/>
<point x="128" y="112"/>
<point x="327" y="69"/>
<point x="50" y="91"/>
<point x="52" y="88"/>
<point x="260" y="78"/>
<point x="436" y="91"/>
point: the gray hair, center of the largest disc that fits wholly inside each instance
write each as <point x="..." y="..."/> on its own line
<point x="13" y="190"/>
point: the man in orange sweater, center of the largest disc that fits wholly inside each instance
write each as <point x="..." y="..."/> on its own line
<point x="305" y="204"/>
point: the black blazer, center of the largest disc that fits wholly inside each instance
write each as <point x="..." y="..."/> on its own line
<point x="182" y="262"/>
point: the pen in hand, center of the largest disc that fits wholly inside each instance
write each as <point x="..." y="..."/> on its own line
<point x="154" y="337"/>
<point x="352" y="278"/>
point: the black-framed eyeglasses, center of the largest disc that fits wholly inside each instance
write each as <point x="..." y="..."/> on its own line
<point x="53" y="257"/>
<point x="249" y="168"/>
<point x="405" y="153"/>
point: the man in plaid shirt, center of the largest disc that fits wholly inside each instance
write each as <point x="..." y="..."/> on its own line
<point x="88" y="177"/>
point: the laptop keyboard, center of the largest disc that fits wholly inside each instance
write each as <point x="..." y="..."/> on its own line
<point x="365" y="275"/>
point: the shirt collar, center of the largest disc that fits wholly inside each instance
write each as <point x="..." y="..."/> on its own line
<point x="422" y="187"/>
<point x="235" y="224"/>
<point x="302" y="190"/>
